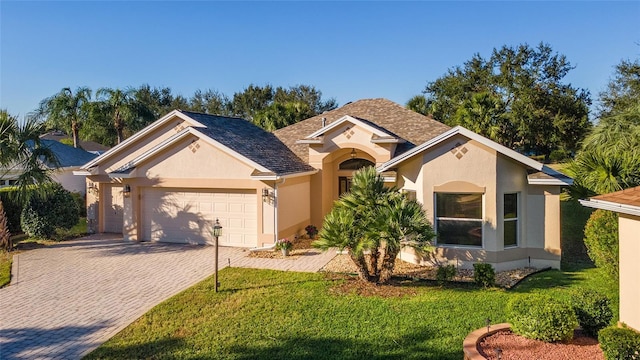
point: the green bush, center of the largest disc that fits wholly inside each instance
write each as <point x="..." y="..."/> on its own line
<point x="12" y="208"/>
<point x="558" y="155"/>
<point x="541" y="317"/>
<point x="484" y="274"/>
<point x="619" y="343"/>
<point x="592" y="310"/>
<point x="80" y="203"/>
<point x="445" y="273"/>
<point x="601" y="240"/>
<point x="42" y="215"/>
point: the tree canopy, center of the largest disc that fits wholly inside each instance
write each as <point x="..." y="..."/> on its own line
<point x="116" y="114"/>
<point x="515" y="97"/>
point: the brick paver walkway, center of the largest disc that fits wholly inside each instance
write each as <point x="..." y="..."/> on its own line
<point x="67" y="299"/>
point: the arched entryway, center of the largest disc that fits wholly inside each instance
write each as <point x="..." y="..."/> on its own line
<point x="346" y="170"/>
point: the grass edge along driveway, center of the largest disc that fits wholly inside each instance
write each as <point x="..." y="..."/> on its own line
<point x="266" y="314"/>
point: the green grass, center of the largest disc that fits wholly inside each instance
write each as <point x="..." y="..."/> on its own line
<point x="265" y="314"/>
<point x="5" y="268"/>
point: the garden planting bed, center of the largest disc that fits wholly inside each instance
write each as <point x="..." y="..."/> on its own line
<point x="507" y="279"/>
<point x="515" y="347"/>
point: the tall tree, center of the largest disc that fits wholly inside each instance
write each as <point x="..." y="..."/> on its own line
<point x="119" y="106"/>
<point x="67" y="111"/>
<point x="419" y="104"/>
<point x="623" y="90"/>
<point x="209" y="102"/>
<point x="609" y="159"/>
<point x="22" y="153"/>
<point x="373" y="223"/>
<point x="254" y="98"/>
<point x="515" y="97"/>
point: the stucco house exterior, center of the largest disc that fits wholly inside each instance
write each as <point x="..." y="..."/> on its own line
<point x="70" y="159"/>
<point x="169" y="182"/>
<point x="627" y="204"/>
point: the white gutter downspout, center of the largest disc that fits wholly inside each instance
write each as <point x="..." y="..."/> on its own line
<point x="275" y="219"/>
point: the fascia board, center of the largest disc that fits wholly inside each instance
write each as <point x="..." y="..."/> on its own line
<point x="611" y="206"/>
<point x="341" y="121"/>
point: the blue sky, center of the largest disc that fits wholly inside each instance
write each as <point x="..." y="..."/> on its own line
<point x="348" y="50"/>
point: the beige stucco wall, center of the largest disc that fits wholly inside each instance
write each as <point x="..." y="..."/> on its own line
<point x="629" y="270"/>
<point x="73" y="183"/>
<point x="480" y="169"/>
<point x="294" y="211"/>
<point x="326" y="157"/>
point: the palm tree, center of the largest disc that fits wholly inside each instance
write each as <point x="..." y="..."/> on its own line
<point x="373" y="223"/>
<point x="21" y="152"/>
<point x="120" y="106"/>
<point x="67" y="111"/>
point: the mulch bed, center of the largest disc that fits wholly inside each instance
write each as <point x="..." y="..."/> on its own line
<point x="301" y="246"/>
<point x="515" y="347"/>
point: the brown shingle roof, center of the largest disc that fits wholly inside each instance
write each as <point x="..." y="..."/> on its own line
<point x="629" y="197"/>
<point x="409" y="125"/>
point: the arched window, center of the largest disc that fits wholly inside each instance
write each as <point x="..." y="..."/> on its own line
<point x="355" y="164"/>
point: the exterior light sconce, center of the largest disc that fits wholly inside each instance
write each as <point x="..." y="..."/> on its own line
<point x="126" y="191"/>
<point x="266" y="195"/>
<point x="353" y="153"/>
<point x="93" y="189"/>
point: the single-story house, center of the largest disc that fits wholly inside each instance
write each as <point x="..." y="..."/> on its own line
<point x="627" y="204"/>
<point x="169" y="181"/>
<point x="69" y="160"/>
<point x="86" y="145"/>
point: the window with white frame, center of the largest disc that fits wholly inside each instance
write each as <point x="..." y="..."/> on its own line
<point x="459" y="219"/>
<point x="510" y="225"/>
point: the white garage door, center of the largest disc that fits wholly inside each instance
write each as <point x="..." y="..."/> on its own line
<point x="173" y="215"/>
<point x="113" y="209"/>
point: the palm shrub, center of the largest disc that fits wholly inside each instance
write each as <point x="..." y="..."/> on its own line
<point x="601" y="240"/>
<point x="41" y="216"/>
<point x="592" y="310"/>
<point x="12" y="207"/>
<point x="541" y="317"/>
<point x="373" y="222"/>
<point x="5" y="235"/>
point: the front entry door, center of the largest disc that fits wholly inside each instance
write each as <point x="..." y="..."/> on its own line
<point x="344" y="185"/>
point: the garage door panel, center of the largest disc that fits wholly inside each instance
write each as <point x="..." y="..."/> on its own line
<point x="189" y="216"/>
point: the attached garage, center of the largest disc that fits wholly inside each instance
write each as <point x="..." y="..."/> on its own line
<point x="113" y="209"/>
<point x="176" y="215"/>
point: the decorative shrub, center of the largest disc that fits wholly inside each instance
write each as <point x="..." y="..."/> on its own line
<point x="284" y="244"/>
<point x="592" y="310"/>
<point x="5" y="235"/>
<point x="42" y="215"/>
<point x="619" y="343"/>
<point x="12" y="209"/>
<point x="484" y="274"/>
<point x="445" y="273"/>
<point x="312" y="231"/>
<point x="80" y="203"/>
<point x="541" y="317"/>
<point x="601" y="240"/>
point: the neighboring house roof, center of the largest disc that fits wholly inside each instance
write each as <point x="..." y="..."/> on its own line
<point x="237" y="136"/>
<point x="544" y="176"/>
<point x="625" y="201"/>
<point x="67" y="156"/>
<point x="384" y="114"/>
<point x="90" y="146"/>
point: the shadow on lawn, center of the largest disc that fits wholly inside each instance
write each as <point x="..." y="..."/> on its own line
<point x="161" y="348"/>
<point x="407" y="346"/>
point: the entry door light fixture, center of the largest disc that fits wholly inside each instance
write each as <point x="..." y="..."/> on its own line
<point x="353" y="153"/>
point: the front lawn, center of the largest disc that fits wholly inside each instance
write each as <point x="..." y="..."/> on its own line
<point x="5" y="268"/>
<point x="264" y="314"/>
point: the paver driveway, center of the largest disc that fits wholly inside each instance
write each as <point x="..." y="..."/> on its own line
<point x="67" y="299"/>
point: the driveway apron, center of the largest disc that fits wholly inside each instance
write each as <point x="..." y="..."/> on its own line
<point x="67" y="299"/>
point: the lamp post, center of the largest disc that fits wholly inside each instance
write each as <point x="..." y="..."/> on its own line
<point x="217" y="232"/>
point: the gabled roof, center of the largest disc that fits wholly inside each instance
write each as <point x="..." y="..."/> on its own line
<point x="545" y="175"/>
<point x="90" y="146"/>
<point x="403" y="123"/>
<point x="67" y="156"/>
<point x="377" y="131"/>
<point x="235" y="136"/>
<point x="625" y="201"/>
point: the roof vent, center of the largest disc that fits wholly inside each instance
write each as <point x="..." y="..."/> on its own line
<point x="324" y="121"/>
